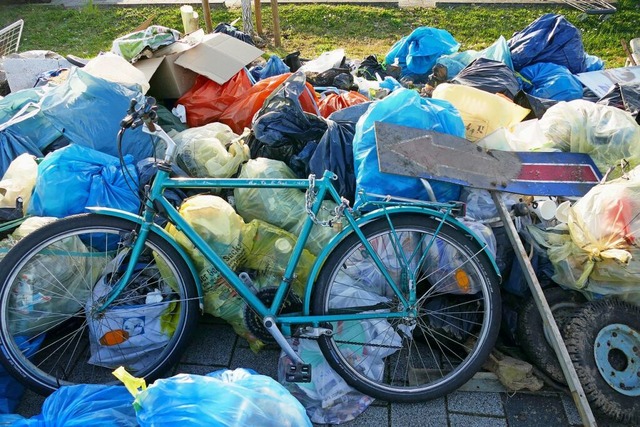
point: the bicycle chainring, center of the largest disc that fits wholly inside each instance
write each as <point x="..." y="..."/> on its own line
<point x="253" y="321"/>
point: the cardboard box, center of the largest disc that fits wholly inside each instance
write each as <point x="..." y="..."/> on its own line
<point x="173" y="69"/>
<point x="166" y="79"/>
<point x="218" y="57"/>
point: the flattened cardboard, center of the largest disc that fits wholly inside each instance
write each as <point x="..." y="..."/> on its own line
<point x="601" y="81"/>
<point x="219" y="57"/>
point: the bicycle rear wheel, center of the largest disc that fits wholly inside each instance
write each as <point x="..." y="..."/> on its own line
<point x="53" y="330"/>
<point x="456" y="316"/>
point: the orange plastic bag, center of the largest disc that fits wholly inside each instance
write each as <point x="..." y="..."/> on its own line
<point x="240" y="114"/>
<point x="334" y="102"/>
<point x="207" y="100"/>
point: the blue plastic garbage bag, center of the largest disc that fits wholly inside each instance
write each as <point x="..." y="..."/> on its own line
<point x="550" y="38"/>
<point x="551" y="81"/>
<point x="223" y="398"/>
<point x="417" y="53"/>
<point x="12" y="144"/>
<point x="593" y="63"/>
<point x="85" y="405"/>
<point x="335" y="149"/>
<point x="37" y="130"/>
<point x="89" y="110"/>
<point x="402" y="107"/>
<point x="88" y="177"/>
<point x="274" y="67"/>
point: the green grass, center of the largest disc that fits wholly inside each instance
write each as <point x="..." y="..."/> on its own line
<point x="314" y="28"/>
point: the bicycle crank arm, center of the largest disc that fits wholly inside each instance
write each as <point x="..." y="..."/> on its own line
<point x="299" y="371"/>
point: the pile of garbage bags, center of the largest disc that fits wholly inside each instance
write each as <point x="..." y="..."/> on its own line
<point x="291" y="117"/>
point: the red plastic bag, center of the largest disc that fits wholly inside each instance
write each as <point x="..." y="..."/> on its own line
<point x="240" y="114"/>
<point x="334" y="102"/>
<point x="207" y="100"/>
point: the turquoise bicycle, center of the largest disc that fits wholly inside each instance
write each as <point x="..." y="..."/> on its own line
<point x="403" y="301"/>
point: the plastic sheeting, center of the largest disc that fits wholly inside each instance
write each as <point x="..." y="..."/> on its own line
<point x="402" y="107"/>
<point x="550" y="38"/>
<point x="89" y="109"/>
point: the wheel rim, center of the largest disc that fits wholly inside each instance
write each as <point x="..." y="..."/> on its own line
<point x="51" y="346"/>
<point x="617" y="356"/>
<point x="425" y="353"/>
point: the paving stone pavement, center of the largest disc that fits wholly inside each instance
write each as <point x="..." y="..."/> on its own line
<point x="216" y="346"/>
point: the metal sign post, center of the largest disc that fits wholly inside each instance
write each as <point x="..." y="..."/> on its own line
<point x="432" y="155"/>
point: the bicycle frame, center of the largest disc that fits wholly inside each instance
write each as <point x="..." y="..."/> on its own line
<point x="156" y="201"/>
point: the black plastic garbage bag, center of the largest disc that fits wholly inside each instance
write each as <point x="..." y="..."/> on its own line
<point x="335" y="149"/>
<point x="281" y="129"/>
<point x="625" y="96"/>
<point x="370" y="66"/>
<point x="232" y="31"/>
<point x="490" y="76"/>
<point x="550" y="38"/>
<point x="538" y="106"/>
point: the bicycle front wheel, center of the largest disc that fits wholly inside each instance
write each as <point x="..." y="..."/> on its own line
<point x="449" y="328"/>
<point x="54" y="327"/>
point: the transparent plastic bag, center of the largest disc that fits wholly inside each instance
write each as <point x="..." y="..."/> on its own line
<point x="284" y="208"/>
<point x="327" y="399"/>
<point x="18" y="181"/>
<point x="212" y="150"/>
<point x="607" y="133"/>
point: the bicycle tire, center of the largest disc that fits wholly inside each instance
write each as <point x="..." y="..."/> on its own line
<point x="409" y="359"/>
<point x="51" y="331"/>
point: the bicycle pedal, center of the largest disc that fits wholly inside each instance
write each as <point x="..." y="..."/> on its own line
<point x="299" y="373"/>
